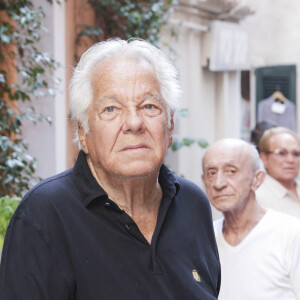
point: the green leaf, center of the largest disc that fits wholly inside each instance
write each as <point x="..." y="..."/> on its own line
<point x="203" y="143"/>
<point x="187" y="141"/>
<point x="176" y="145"/>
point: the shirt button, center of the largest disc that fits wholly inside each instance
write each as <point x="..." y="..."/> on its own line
<point x="107" y="204"/>
<point x="126" y="227"/>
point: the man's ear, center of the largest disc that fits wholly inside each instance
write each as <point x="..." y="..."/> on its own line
<point x="82" y="138"/>
<point x="258" y="179"/>
<point x="171" y="130"/>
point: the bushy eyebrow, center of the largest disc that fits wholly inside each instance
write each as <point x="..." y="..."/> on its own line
<point x="106" y="98"/>
<point x="115" y="98"/>
<point x="151" y="96"/>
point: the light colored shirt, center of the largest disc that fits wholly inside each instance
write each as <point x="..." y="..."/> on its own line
<point x="266" y="264"/>
<point x="272" y="194"/>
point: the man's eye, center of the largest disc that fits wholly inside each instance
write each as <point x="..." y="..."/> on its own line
<point x="232" y="171"/>
<point x="211" y="172"/>
<point x="109" y="109"/>
<point x="149" y="106"/>
<point x="151" y="110"/>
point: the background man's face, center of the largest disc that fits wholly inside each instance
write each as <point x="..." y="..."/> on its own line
<point x="282" y="168"/>
<point x="128" y="119"/>
<point x="227" y="176"/>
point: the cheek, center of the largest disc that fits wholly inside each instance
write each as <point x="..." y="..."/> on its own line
<point x="273" y="165"/>
<point x="158" y="129"/>
<point x="208" y="188"/>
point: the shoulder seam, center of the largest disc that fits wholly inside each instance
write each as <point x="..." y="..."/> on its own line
<point x="45" y="181"/>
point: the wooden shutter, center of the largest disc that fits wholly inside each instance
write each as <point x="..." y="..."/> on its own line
<point x="271" y="79"/>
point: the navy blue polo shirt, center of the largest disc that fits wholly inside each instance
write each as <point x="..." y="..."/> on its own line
<point x="68" y="240"/>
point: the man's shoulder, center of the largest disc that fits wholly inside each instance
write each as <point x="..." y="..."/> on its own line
<point x="191" y="189"/>
<point x="188" y="184"/>
<point x="48" y="192"/>
<point x="51" y="185"/>
<point x="282" y="219"/>
<point x="283" y="224"/>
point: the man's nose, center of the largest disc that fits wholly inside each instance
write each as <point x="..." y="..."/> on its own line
<point x="133" y="121"/>
<point x="220" y="181"/>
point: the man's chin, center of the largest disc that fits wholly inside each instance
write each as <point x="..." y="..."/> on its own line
<point x="138" y="171"/>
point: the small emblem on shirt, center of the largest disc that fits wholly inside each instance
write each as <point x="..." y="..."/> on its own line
<point x="196" y="275"/>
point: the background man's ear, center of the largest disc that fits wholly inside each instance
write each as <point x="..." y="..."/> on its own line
<point x="258" y="179"/>
<point x="82" y="138"/>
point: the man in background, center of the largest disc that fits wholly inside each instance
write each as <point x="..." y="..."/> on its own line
<point x="259" y="248"/>
<point x="280" y="153"/>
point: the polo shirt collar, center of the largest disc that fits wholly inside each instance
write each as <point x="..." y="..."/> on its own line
<point x="168" y="182"/>
<point x="89" y="188"/>
<point x="86" y="183"/>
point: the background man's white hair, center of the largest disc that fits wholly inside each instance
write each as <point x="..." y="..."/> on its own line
<point x="81" y="89"/>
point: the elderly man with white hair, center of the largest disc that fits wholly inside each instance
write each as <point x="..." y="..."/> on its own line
<point x="259" y="248"/>
<point x="119" y="225"/>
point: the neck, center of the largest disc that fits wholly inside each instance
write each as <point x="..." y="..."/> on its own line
<point x="139" y="197"/>
<point x="238" y="223"/>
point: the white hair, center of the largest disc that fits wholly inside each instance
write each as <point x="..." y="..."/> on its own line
<point x="256" y="162"/>
<point x="81" y="88"/>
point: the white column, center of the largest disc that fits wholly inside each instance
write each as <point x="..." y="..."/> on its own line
<point x="228" y="105"/>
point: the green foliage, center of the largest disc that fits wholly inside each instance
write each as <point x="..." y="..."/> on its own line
<point x="178" y="142"/>
<point x="127" y="19"/>
<point x="187" y="141"/>
<point x="8" y="206"/>
<point x="19" y="54"/>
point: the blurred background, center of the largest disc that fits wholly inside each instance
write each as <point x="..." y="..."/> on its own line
<point x="232" y="56"/>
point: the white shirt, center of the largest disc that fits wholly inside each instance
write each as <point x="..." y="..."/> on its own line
<point x="266" y="264"/>
<point x="272" y="194"/>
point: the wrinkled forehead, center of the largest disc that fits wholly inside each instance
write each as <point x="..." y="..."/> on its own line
<point x="222" y="156"/>
<point x="119" y="60"/>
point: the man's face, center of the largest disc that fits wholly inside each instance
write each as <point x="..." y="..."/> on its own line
<point x="227" y="176"/>
<point x="282" y="162"/>
<point x="128" y="133"/>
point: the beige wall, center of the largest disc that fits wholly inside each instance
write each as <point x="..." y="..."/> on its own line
<point x="52" y="145"/>
<point x="42" y="137"/>
<point x="212" y="98"/>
